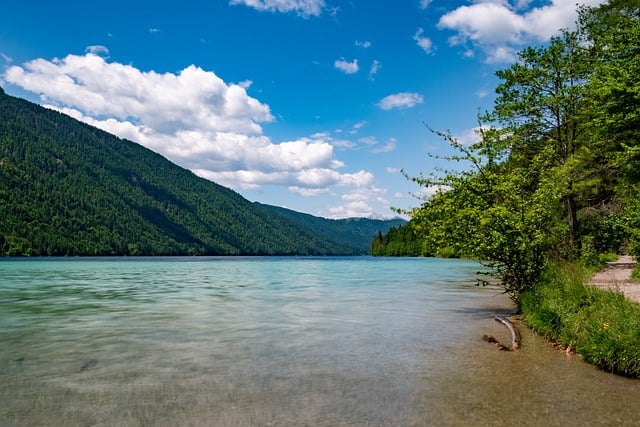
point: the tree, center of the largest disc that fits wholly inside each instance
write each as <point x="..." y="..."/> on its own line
<point x="539" y="105"/>
<point x="558" y="170"/>
<point x="612" y="33"/>
<point x="495" y="211"/>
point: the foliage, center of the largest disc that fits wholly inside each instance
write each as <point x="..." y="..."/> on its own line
<point x="555" y="175"/>
<point x="397" y="241"/>
<point x="352" y="232"/>
<point x="69" y="189"/>
<point x="602" y="326"/>
<point x="499" y="212"/>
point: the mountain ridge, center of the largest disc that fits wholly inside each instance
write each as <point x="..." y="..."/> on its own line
<point x="67" y="188"/>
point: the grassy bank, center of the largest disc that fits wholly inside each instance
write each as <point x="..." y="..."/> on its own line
<point x="601" y="326"/>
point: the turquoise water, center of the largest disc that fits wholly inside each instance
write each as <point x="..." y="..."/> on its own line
<point x="279" y="341"/>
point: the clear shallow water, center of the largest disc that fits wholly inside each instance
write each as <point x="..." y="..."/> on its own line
<point x="279" y="341"/>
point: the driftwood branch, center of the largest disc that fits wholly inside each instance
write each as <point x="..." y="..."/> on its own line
<point x="515" y="335"/>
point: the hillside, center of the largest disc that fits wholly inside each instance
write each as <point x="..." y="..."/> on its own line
<point x="353" y="232"/>
<point x="67" y="188"/>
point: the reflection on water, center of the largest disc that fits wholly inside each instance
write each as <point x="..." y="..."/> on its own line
<point x="280" y="341"/>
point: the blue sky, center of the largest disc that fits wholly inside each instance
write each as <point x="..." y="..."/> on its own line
<point x="314" y="105"/>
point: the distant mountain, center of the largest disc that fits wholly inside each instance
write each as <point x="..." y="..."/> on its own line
<point x="357" y="233"/>
<point x="67" y="188"/>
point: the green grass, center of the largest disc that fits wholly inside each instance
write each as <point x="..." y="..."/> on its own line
<point x="602" y="326"/>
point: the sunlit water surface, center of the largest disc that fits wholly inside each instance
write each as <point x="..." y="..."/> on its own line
<point x="280" y="341"/>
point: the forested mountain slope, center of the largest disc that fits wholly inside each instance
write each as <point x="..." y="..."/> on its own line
<point x="353" y="232"/>
<point x="67" y="188"/>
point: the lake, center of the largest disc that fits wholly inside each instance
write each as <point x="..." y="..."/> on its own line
<point x="280" y="341"/>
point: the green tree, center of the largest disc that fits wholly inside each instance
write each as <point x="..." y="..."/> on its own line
<point x="496" y="211"/>
<point x="539" y="106"/>
<point x="559" y="167"/>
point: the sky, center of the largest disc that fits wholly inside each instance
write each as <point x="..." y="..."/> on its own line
<point x="313" y="105"/>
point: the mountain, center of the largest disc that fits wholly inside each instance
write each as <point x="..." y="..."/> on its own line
<point x="67" y="188"/>
<point x="358" y="233"/>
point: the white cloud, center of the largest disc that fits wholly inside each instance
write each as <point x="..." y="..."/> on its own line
<point x="500" y="54"/>
<point x="402" y="196"/>
<point x="98" y="50"/>
<point x="357" y="209"/>
<point x="500" y="27"/>
<point x="154" y="30"/>
<point x="375" y="67"/>
<point x="424" y="3"/>
<point x="471" y="136"/>
<point x="192" y="117"/>
<point x="358" y="179"/>
<point x="343" y="144"/>
<point x="360" y="124"/>
<point x="347" y="67"/>
<point x="482" y="93"/>
<point x="400" y="100"/>
<point x="388" y="147"/>
<point x="301" y="7"/>
<point x="358" y="202"/>
<point x="425" y="43"/>
<point x="365" y="44"/>
<point x="373" y="144"/>
<point x="168" y="103"/>
<point x="430" y="191"/>
<point x="369" y="140"/>
<point x="484" y="22"/>
<point x="6" y="58"/>
<point x="308" y="192"/>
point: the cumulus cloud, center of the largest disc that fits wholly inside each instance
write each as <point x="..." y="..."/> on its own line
<point x="192" y="117"/>
<point x="303" y="8"/>
<point x="346" y="66"/>
<point x="500" y="27"/>
<point x="358" y="202"/>
<point x="357" y="209"/>
<point x="400" y="100"/>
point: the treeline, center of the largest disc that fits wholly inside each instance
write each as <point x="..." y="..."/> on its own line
<point x="555" y="174"/>
<point x="68" y="189"/>
<point x="356" y="232"/>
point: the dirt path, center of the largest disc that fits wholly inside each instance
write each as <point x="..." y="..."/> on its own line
<point x="617" y="275"/>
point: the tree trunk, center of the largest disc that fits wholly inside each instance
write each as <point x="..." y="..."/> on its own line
<point x="573" y="220"/>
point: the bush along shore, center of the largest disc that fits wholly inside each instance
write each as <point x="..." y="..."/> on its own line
<point x="602" y="326"/>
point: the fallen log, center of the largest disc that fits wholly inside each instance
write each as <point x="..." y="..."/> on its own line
<point x="515" y="336"/>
